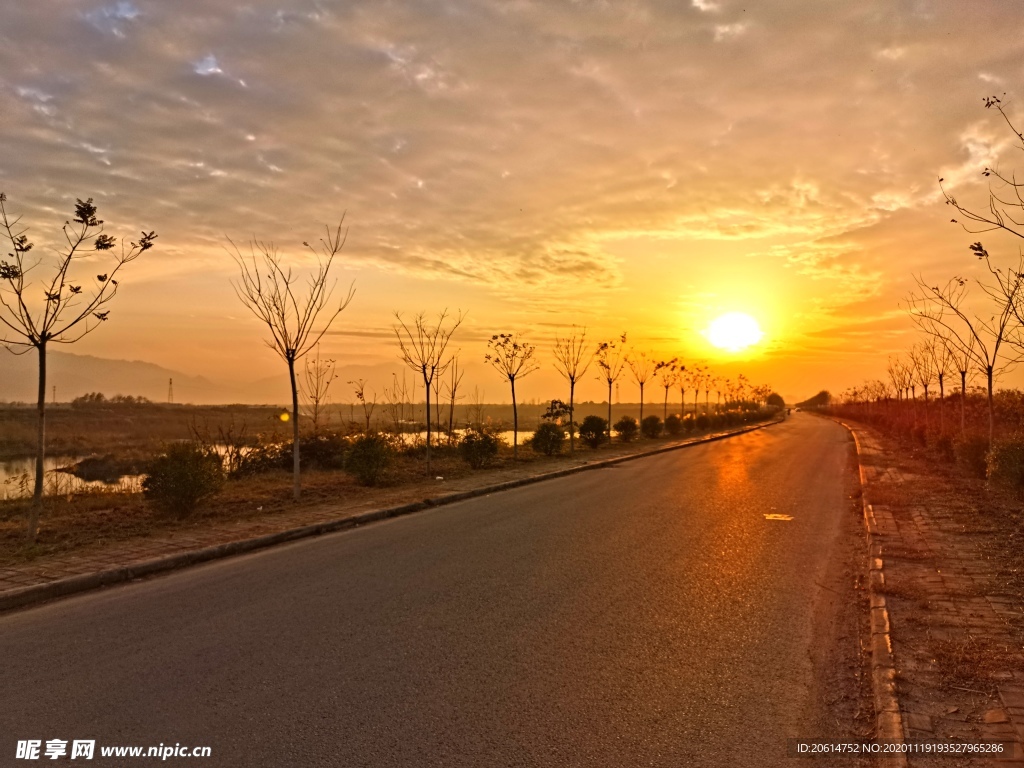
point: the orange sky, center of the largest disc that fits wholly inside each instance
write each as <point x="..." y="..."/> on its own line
<point x="628" y="166"/>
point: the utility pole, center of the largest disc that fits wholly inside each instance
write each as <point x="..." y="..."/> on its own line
<point x="170" y="391"/>
<point x="54" y="394"/>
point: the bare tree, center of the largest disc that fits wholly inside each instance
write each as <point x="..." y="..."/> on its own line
<point x="941" y="354"/>
<point x="367" y="403"/>
<point x="316" y="382"/>
<point x="1005" y="194"/>
<point x="668" y="370"/>
<point x="983" y="338"/>
<point x="451" y="391"/>
<point x="513" y="359"/>
<point x="642" y="366"/>
<point x="395" y="399"/>
<point x="572" y="361"/>
<point x="924" y="371"/>
<point x="424" y="347"/>
<point x="65" y="311"/>
<point x="271" y="292"/>
<point x="477" y="408"/>
<point x="610" y="359"/>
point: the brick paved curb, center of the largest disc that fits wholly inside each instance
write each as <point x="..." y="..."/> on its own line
<point x="27" y="596"/>
<point x="888" y="720"/>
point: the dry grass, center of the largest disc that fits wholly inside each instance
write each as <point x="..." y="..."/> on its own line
<point x="969" y="663"/>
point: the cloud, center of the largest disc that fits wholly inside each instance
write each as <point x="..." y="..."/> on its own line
<point x="111" y="18"/>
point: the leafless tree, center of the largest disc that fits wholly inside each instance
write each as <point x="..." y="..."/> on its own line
<point x="642" y="367"/>
<point x="572" y="360"/>
<point x="271" y="291"/>
<point x="610" y="356"/>
<point x="395" y="399"/>
<point x="451" y="391"/>
<point x="941" y="354"/>
<point x="477" y="408"/>
<point x="65" y="311"/>
<point x="424" y="348"/>
<point x="513" y="359"/>
<point x="984" y="338"/>
<point x="1005" y="194"/>
<point x="368" y="403"/>
<point x="317" y="375"/>
<point x="924" y="371"/>
<point x="669" y="371"/>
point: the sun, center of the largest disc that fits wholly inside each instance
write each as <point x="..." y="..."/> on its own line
<point x="734" y="332"/>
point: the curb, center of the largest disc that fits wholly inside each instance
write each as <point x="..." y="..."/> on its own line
<point x="888" y="719"/>
<point x="38" y="593"/>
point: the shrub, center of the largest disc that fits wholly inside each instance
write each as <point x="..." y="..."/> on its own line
<point x="673" y="425"/>
<point x="944" y="447"/>
<point x="703" y="422"/>
<point x="478" y="448"/>
<point x="184" y="475"/>
<point x="592" y="431"/>
<point x="1006" y="462"/>
<point x="651" y="427"/>
<point x="263" y="457"/>
<point x="627" y="428"/>
<point x="689" y="423"/>
<point x="325" y="450"/>
<point x="776" y="399"/>
<point x="972" y="453"/>
<point x="369" y="458"/>
<point x="547" y="439"/>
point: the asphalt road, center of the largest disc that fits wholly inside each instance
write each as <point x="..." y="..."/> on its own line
<point x="646" y="614"/>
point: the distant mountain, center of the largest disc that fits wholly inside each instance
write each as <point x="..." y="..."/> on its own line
<point x="75" y="375"/>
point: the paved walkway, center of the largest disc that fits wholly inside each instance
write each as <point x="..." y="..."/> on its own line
<point x="948" y="618"/>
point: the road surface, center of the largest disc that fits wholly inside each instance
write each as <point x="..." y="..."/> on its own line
<point x="645" y="614"/>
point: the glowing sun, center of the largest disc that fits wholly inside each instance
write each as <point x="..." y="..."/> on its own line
<point x="734" y="331"/>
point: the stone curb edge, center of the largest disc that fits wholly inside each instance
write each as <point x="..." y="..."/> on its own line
<point x="888" y="719"/>
<point x="38" y="593"/>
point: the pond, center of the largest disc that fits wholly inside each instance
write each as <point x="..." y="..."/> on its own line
<point x="17" y="478"/>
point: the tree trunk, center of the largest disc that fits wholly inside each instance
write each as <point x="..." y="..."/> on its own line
<point x="641" y="403"/>
<point x="296" y="477"/>
<point x="515" y="423"/>
<point x="991" y="408"/>
<point x="665" y="414"/>
<point x="37" y="492"/>
<point x="609" y="411"/>
<point x="426" y="387"/>
<point x="926" y="425"/>
<point x="572" y="423"/>
<point x="942" y="394"/>
<point x="963" y="402"/>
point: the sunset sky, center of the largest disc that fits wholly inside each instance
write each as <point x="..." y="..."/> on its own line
<point x="627" y="166"/>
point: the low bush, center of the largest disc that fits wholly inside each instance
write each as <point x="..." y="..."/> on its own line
<point x="1005" y="462"/>
<point x="627" y="428"/>
<point x="972" y="454"/>
<point x="324" y="450"/>
<point x="182" y="476"/>
<point x="592" y="431"/>
<point x="689" y="423"/>
<point x="368" y="458"/>
<point x="703" y="421"/>
<point x="673" y="425"/>
<point x="263" y="457"/>
<point x="944" y="448"/>
<point x="651" y="427"/>
<point x="478" y="448"/>
<point x="547" y="439"/>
